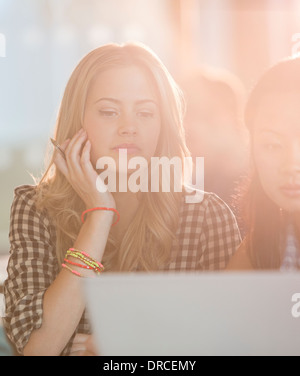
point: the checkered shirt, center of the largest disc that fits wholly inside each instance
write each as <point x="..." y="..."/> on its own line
<point x="207" y="236"/>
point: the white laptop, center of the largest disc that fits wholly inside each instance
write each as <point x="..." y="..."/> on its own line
<point x="192" y="314"/>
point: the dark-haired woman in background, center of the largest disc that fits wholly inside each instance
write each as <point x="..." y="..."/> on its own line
<point x="273" y="196"/>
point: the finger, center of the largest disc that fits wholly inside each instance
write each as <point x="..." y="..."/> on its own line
<point x="78" y="344"/>
<point x="73" y="153"/>
<point x="91" y="346"/>
<point x="64" y="145"/>
<point x="61" y="164"/>
<point x="85" y="155"/>
<point x="59" y="159"/>
<point x="85" y="161"/>
<point x="74" y="141"/>
<point x="75" y="136"/>
<point x="84" y="342"/>
<point x="81" y="338"/>
<point x="78" y="347"/>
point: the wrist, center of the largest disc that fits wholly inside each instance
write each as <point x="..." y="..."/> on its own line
<point x="105" y="201"/>
<point x="100" y="210"/>
<point x="99" y="216"/>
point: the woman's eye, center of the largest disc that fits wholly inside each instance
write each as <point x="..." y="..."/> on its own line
<point x="145" y="114"/>
<point x="108" y="113"/>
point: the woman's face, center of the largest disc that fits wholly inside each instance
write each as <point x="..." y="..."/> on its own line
<point x="276" y="145"/>
<point x="122" y="112"/>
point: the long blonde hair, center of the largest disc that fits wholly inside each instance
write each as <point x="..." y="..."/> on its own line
<point x="148" y="240"/>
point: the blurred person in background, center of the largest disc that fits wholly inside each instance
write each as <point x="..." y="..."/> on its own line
<point x="215" y="129"/>
<point x="118" y="97"/>
<point x="272" y="198"/>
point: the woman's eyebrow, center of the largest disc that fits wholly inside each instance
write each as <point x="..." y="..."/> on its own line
<point x="142" y="101"/>
<point x="117" y="101"/>
<point x="108" y="99"/>
<point x="266" y="130"/>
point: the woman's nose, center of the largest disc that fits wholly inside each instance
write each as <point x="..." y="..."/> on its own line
<point x="291" y="162"/>
<point x="127" y="126"/>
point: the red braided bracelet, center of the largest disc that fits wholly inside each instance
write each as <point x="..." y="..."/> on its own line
<point x="93" y="209"/>
<point x="77" y="264"/>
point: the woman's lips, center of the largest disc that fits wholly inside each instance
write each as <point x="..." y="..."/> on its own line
<point x="292" y="190"/>
<point x="130" y="148"/>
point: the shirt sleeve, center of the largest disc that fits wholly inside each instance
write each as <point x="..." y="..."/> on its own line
<point x="32" y="266"/>
<point x="220" y="237"/>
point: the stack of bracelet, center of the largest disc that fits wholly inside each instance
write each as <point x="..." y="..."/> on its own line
<point x="86" y="259"/>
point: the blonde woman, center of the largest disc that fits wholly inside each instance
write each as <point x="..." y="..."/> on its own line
<point x="118" y="97"/>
